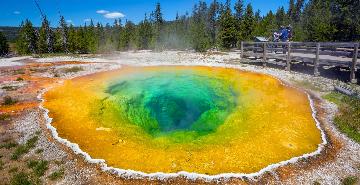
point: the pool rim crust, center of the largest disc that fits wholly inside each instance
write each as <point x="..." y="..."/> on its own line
<point x="132" y="174"/>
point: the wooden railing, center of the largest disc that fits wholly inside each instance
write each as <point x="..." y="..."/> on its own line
<point x="342" y="54"/>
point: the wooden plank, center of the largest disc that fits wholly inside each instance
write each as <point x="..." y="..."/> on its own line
<point x="242" y="49"/>
<point x="264" y="54"/>
<point x="316" y="61"/>
<point x="288" y="58"/>
<point x="353" y="66"/>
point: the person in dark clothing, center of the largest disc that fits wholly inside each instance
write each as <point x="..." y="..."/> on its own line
<point x="284" y="34"/>
<point x="289" y="28"/>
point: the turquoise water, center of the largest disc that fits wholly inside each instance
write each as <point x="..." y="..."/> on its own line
<point x="166" y="103"/>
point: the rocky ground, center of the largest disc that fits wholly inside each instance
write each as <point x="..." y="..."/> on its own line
<point x="28" y="149"/>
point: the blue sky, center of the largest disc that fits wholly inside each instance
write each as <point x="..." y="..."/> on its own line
<point x="79" y="11"/>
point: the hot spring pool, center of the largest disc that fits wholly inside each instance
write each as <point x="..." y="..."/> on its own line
<point x="194" y="119"/>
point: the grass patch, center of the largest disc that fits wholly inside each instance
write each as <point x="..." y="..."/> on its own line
<point x="58" y="162"/>
<point x="8" y="145"/>
<point x="19" y="79"/>
<point x="38" y="151"/>
<point x="348" y="118"/>
<point x="13" y="170"/>
<point x="349" y="180"/>
<point x="21" y="179"/>
<point x="307" y="85"/>
<point x="1" y="165"/>
<point x="57" y="174"/>
<point x="4" y="117"/>
<point x="73" y="69"/>
<point x="9" y="88"/>
<point x="38" y="70"/>
<point x="39" y="167"/>
<point x="19" y="72"/>
<point x="23" y="149"/>
<point x="9" y="101"/>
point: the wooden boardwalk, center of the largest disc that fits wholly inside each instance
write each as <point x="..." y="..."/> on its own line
<point x="344" y="55"/>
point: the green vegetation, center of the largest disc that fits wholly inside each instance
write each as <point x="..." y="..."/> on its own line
<point x="73" y="69"/>
<point x="308" y="85"/>
<point x="9" y="88"/>
<point x="1" y="165"/>
<point x="4" y="117"/>
<point x="214" y="25"/>
<point x="4" y="46"/>
<point x="19" y="79"/>
<point x="9" y="101"/>
<point x="348" y="119"/>
<point x="21" y="179"/>
<point x="350" y="180"/>
<point x="19" y="72"/>
<point x="13" y="170"/>
<point x="57" y="174"/>
<point x="8" y="145"/>
<point x="38" y="151"/>
<point x="38" y="167"/>
<point x="23" y="149"/>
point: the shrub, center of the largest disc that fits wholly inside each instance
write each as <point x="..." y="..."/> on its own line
<point x="350" y="180"/>
<point x="9" y="101"/>
<point x="8" y="145"/>
<point x="38" y="167"/>
<point x="19" y="79"/>
<point x="4" y="117"/>
<point x="20" y="179"/>
<point x="23" y="149"/>
<point x="57" y="174"/>
<point x="73" y="69"/>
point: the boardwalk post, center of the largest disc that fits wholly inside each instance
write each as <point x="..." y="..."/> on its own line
<point x="264" y="54"/>
<point x="242" y="49"/>
<point x="353" y="65"/>
<point x="288" y="58"/>
<point x="316" y="61"/>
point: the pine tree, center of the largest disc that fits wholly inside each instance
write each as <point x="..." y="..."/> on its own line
<point x="72" y="40"/>
<point x="145" y="34"/>
<point x="26" y="41"/>
<point x="239" y="10"/>
<point x="46" y="38"/>
<point x="298" y="10"/>
<point x="281" y="17"/>
<point x="267" y="26"/>
<point x="64" y="34"/>
<point x="127" y="37"/>
<point x="292" y="10"/>
<point x="228" y="31"/>
<point x="212" y="21"/>
<point x="58" y="42"/>
<point x="82" y="46"/>
<point x="317" y="21"/>
<point x="4" y="46"/>
<point x="199" y="35"/>
<point x="91" y="39"/>
<point x="249" y="23"/>
<point x="346" y="19"/>
<point x="158" y="26"/>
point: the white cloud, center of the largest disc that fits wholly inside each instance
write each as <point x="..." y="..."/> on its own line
<point x="87" y="20"/>
<point x="102" y="12"/>
<point x="17" y="12"/>
<point x="114" y="15"/>
<point x="70" y="22"/>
